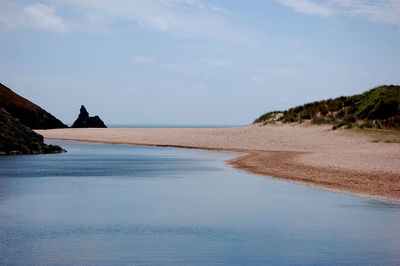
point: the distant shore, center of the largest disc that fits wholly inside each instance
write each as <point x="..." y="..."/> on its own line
<point x="309" y="155"/>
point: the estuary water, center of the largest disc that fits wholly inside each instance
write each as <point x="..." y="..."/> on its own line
<point x="118" y="204"/>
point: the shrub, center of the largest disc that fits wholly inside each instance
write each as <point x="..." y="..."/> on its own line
<point x="350" y="119"/>
<point x="367" y="125"/>
<point x="329" y="119"/>
<point x="338" y="125"/>
<point x="322" y="120"/>
<point x="349" y="102"/>
<point x="265" y="117"/>
<point x="378" y="124"/>
<point x="298" y="109"/>
<point x="393" y="122"/>
<point x="305" y="116"/>
<point x="323" y="109"/>
<point x="341" y="113"/>
<point x="316" y="120"/>
<point x="352" y="110"/>
<point x="383" y="109"/>
<point x="349" y="125"/>
<point x="334" y="105"/>
<point x="341" y="124"/>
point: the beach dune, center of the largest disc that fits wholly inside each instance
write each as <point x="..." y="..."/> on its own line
<point x="310" y="155"/>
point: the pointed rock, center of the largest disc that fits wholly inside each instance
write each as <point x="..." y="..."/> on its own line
<point x="84" y="120"/>
<point x="83" y="115"/>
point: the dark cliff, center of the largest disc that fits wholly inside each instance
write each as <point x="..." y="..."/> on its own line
<point x="16" y="138"/>
<point x="28" y="113"/>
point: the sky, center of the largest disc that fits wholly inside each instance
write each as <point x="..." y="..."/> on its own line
<point x="194" y="61"/>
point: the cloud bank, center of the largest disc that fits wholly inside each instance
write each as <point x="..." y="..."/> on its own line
<point x="181" y="18"/>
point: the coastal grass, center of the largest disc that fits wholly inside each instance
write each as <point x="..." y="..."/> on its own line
<point x="377" y="108"/>
<point x="378" y="135"/>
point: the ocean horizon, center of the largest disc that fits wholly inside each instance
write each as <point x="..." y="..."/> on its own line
<point x="169" y="125"/>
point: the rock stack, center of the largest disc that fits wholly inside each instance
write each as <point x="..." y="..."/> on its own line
<point x="84" y="120"/>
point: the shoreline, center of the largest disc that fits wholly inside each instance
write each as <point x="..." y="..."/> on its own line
<point x="290" y="163"/>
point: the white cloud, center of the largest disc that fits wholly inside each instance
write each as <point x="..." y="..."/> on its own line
<point x="142" y="59"/>
<point x="44" y="17"/>
<point x="183" y="18"/>
<point x="35" y="16"/>
<point x="162" y="24"/>
<point x="309" y="7"/>
<point x="387" y="11"/>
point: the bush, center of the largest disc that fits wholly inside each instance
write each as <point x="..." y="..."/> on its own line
<point x="393" y="122"/>
<point x="305" y="116"/>
<point x="384" y="110"/>
<point x="334" y="105"/>
<point x="350" y="119"/>
<point x="317" y="121"/>
<point x="341" y="124"/>
<point x="323" y="109"/>
<point x="265" y="117"/>
<point x="341" y="113"/>
<point x="349" y="125"/>
<point x="352" y="110"/>
<point x="367" y="125"/>
<point x="349" y="102"/>
<point x="329" y="119"/>
<point x="298" y="109"/>
<point x="378" y="124"/>
<point x="322" y="120"/>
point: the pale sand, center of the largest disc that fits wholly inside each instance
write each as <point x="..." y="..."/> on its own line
<point x="312" y="155"/>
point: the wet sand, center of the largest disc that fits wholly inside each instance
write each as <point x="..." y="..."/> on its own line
<point x="310" y="155"/>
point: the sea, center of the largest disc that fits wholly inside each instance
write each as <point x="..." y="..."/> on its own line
<point x="168" y="125"/>
<point x="103" y="204"/>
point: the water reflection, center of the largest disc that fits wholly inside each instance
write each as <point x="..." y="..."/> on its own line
<point x="116" y="204"/>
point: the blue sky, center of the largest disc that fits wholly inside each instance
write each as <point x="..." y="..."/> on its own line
<point x="193" y="61"/>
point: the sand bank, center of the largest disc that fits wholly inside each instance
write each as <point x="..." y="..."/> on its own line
<point x="311" y="155"/>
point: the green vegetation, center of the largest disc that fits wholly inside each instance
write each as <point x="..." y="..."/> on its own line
<point x="266" y="117"/>
<point x="378" y="135"/>
<point x="377" y="108"/>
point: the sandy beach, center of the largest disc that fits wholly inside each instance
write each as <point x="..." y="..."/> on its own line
<point x="310" y="155"/>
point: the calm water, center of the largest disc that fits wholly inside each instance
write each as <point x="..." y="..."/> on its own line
<point x="169" y="126"/>
<point x="166" y="126"/>
<point x="114" y="204"/>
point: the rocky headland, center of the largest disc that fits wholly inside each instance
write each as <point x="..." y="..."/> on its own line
<point x="16" y="138"/>
<point x="17" y="118"/>
<point x="28" y="113"/>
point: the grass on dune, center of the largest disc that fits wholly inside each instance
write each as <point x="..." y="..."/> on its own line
<point x="378" y="108"/>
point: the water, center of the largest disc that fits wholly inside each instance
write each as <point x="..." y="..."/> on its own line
<point x="116" y="204"/>
<point x="166" y="126"/>
<point x="169" y="126"/>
